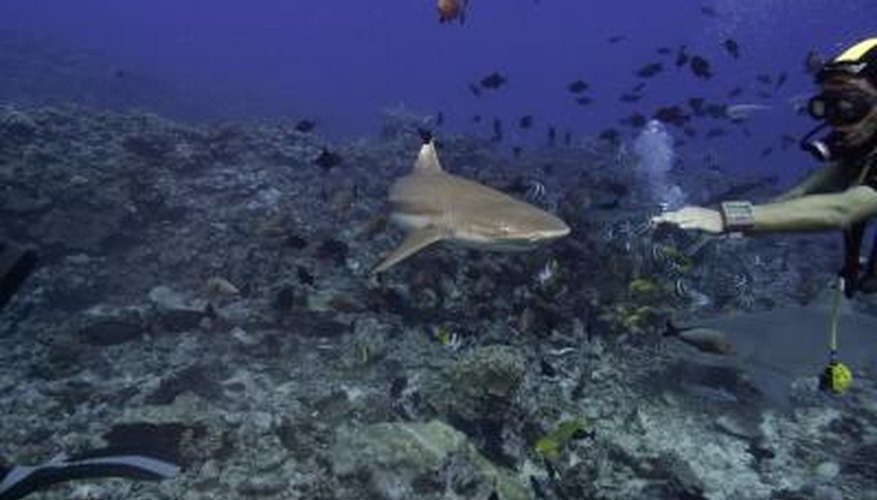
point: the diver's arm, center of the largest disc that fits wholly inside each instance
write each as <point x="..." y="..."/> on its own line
<point x="821" y="179"/>
<point x="818" y="212"/>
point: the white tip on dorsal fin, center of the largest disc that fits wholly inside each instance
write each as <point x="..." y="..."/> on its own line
<point x="427" y="159"/>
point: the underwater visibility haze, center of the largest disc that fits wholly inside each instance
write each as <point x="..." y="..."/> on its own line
<point x="438" y="249"/>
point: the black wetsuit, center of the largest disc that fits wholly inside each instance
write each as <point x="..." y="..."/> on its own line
<point x="856" y="278"/>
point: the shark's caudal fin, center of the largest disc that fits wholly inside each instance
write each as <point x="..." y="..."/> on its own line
<point x="427" y="159"/>
<point x="415" y="242"/>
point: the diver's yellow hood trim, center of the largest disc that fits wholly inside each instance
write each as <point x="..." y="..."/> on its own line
<point x="857" y="51"/>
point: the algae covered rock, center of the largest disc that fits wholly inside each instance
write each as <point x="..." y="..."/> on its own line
<point x="420" y="460"/>
<point x="485" y="383"/>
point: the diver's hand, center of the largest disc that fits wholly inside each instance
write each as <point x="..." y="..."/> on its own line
<point x="697" y="218"/>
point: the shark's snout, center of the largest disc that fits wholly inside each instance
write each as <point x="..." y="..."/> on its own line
<point x="551" y="228"/>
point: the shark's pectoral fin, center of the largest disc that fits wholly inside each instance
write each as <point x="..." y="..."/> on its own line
<point x="415" y="242"/>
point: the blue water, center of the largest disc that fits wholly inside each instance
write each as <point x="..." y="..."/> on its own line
<point x="341" y="61"/>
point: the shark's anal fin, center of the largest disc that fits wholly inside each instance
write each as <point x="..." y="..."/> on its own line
<point x="416" y="241"/>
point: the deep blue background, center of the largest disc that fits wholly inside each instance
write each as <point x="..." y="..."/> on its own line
<point x="342" y="61"/>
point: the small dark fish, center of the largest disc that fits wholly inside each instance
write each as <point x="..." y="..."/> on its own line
<point x="577" y="87"/>
<point x="764" y="94"/>
<point x="764" y="78"/>
<point x="328" y="160"/>
<point x="672" y="115"/>
<point x="476" y="118"/>
<point x="305" y="125"/>
<point x="552" y="136"/>
<point x="476" y="91"/>
<point x="703" y="339"/>
<point x="766" y="151"/>
<point x="696" y="104"/>
<point x="681" y="56"/>
<point x="635" y="120"/>
<point x="813" y="62"/>
<point x="787" y="141"/>
<point x="690" y="131"/>
<point x="708" y="11"/>
<point x="732" y="47"/>
<point x="304" y="276"/>
<point x="583" y="100"/>
<point x="610" y="134"/>
<point x="736" y="91"/>
<point x="397" y="386"/>
<point x="516" y="151"/>
<point x="120" y="73"/>
<point x="494" y="495"/>
<point x="567" y="138"/>
<point x="616" y="38"/>
<point x="781" y="80"/>
<point x="525" y="122"/>
<point x="546" y="369"/>
<point x="630" y="97"/>
<point x="497" y="130"/>
<point x="649" y="70"/>
<point x="439" y="118"/>
<point x="701" y="67"/>
<point x="664" y="51"/>
<point x="638" y="88"/>
<point x="493" y="81"/>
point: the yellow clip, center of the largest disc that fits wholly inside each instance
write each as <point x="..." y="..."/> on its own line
<point x="837" y="378"/>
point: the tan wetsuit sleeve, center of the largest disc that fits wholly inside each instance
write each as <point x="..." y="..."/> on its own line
<point x="817" y="212"/>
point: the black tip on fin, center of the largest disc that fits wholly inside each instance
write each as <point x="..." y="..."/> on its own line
<point x="425" y="135"/>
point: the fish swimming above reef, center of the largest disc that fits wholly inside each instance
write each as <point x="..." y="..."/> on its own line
<point x="744" y="111"/>
<point x="701" y="67"/>
<point x="437" y="206"/>
<point x="732" y="47"/>
<point x="649" y="70"/>
<point x="449" y="10"/>
<point x="493" y="81"/>
<point x="577" y="87"/>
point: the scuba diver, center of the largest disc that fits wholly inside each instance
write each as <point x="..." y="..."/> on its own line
<point x="840" y="195"/>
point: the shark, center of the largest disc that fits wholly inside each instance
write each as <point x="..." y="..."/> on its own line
<point x="434" y="205"/>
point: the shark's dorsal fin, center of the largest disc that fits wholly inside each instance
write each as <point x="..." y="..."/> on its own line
<point x="415" y="242"/>
<point x="427" y="159"/>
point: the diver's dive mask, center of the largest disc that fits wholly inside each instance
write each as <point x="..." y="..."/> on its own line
<point x="841" y="108"/>
<point x="837" y="109"/>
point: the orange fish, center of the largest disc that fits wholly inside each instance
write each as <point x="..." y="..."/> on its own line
<point x="449" y="10"/>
